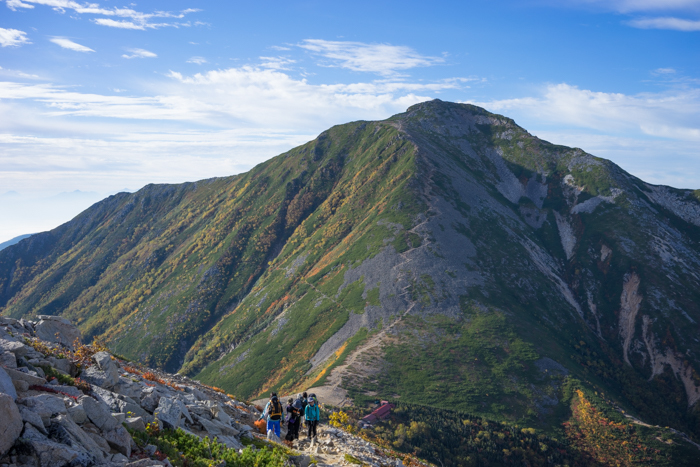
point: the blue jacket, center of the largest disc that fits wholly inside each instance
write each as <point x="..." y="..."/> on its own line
<point x="312" y="412"/>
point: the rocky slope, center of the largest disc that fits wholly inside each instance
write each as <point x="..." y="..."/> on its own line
<point x="444" y="256"/>
<point x="51" y="419"/>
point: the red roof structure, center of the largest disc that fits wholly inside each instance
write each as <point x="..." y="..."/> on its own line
<point x="379" y="413"/>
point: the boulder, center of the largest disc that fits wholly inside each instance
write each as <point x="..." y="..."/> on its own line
<point x="17" y="375"/>
<point x="64" y="429"/>
<point x="101" y="442"/>
<point x="216" y="428"/>
<point x="49" y="453"/>
<point x="8" y="360"/>
<point x="128" y="388"/>
<point x="98" y="413"/>
<point x="231" y="442"/>
<point x="97" y="377"/>
<point x="11" y="425"/>
<point x="300" y="461"/>
<point x="119" y="459"/>
<point x="17" y="348"/>
<point x="77" y="413"/>
<point x="70" y="390"/>
<point x="57" y="329"/>
<point x="6" y="386"/>
<point x="169" y="412"/>
<point x="29" y="416"/>
<point x="63" y="364"/>
<point x="46" y="406"/>
<point x="119" y="417"/>
<point x="144" y="463"/>
<point x="20" y="386"/>
<point x="150" y="401"/>
<point x="119" y="439"/>
<point x="135" y="423"/>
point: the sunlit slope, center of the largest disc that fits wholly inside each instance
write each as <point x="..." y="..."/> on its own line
<point x="150" y="272"/>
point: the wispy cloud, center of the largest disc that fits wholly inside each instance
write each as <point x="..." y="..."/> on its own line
<point x="383" y="59"/>
<point x="139" y="53"/>
<point x="635" y="6"/>
<point x="664" y="71"/>
<point x="70" y="45"/>
<point x="135" y="19"/>
<point x="276" y="63"/>
<point x="678" y="24"/>
<point x="13" y="37"/>
<point x="197" y="60"/>
<point x="17" y="74"/>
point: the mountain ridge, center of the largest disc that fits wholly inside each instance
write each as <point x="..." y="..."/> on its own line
<point x="447" y="233"/>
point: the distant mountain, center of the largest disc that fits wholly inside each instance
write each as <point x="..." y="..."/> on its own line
<point x="443" y="257"/>
<point x="12" y="241"/>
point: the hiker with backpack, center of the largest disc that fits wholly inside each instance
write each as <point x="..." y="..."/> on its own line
<point x="312" y="414"/>
<point x="304" y="403"/>
<point x="293" y="419"/>
<point x="273" y="412"/>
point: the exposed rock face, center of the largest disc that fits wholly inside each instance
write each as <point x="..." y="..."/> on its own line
<point x="629" y="307"/>
<point x="11" y="423"/>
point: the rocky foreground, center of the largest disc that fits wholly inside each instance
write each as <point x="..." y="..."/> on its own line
<point x="66" y="404"/>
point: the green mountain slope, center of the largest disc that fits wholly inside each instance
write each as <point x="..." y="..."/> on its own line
<point x="443" y="257"/>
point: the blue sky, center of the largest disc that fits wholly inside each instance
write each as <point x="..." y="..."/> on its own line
<point x="103" y="96"/>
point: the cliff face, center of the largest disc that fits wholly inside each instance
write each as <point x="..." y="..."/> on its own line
<point x="444" y="256"/>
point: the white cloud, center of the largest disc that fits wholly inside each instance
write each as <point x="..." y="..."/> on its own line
<point x="678" y="24"/>
<point x="674" y="114"/>
<point x="384" y="59"/>
<point x="138" y="19"/>
<point x="631" y="6"/>
<point x="13" y="37"/>
<point x="664" y="71"/>
<point x="99" y="142"/>
<point x="70" y="45"/>
<point x="139" y="53"/>
<point x="197" y="60"/>
<point x="276" y="63"/>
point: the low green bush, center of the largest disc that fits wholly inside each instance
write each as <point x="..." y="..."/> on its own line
<point x="186" y="450"/>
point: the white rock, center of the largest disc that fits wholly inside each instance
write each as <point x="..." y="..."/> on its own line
<point x="57" y="329"/>
<point x="17" y="348"/>
<point x="169" y="412"/>
<point x="135" y="423"/>
<point x="17" y="375"/>
<point x="11" y="425"/>
<point x="119" y="417"/>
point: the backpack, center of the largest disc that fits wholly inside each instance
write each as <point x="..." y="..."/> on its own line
<point x="275" y="410"/>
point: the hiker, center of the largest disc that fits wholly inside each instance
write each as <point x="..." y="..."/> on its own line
<point x="293" y="419"/>
<point x="273" y="412"/>
<point x="304" y="403"/>
<point x="312" y="414"/>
